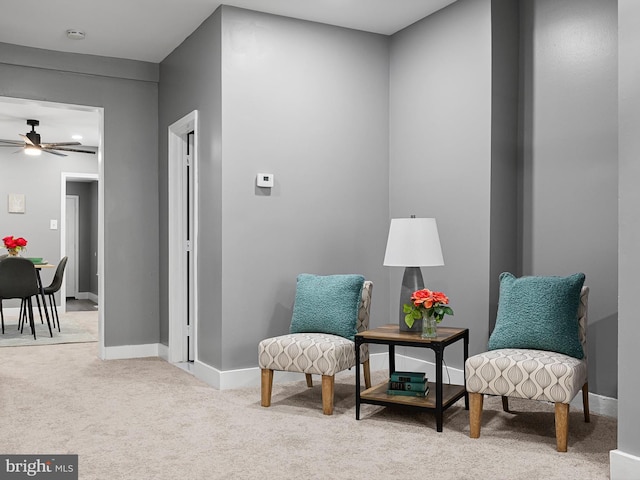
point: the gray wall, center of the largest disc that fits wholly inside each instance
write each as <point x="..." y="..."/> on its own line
<point x="570" y="195"/>
<point x="357" y="129"/>
<point x="629" y="261"/>
<point x="504" y="241"/>
<point x="191" y="80"/>
<point x="440" y="153"/>
<point x="87" y="193"/>
<point x="130" y="171"/>
<point x="309" y="103"/>
<point x="38" y="178"/>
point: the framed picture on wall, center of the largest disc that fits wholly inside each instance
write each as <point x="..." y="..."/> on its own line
<point x="16" y="203"/>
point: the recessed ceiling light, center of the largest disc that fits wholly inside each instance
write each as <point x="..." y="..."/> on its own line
<point x="75" y="34"/>
<point x="76" y="137"/>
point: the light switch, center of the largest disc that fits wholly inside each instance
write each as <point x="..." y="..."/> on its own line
<point x="53" y="224"/>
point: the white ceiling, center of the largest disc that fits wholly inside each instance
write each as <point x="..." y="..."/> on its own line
<point x="149" y="30"/>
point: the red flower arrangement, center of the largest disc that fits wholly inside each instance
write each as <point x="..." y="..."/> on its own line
<point x="426" y="303"/>
<point x="14" y="245"/>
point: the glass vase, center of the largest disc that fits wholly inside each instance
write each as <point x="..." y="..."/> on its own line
<point x="429" y="327"/>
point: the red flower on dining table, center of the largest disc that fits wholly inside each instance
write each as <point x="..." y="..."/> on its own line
<point x="11" y="243"/>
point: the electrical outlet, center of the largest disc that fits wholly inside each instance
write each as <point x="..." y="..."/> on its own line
<point x="53" y="224"/>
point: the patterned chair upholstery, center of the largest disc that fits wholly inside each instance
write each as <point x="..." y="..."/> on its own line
<point x="531" y="374"/>
<point x="315" y="353"/>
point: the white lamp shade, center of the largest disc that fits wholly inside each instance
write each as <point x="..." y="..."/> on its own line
<point x="413" y="242"/>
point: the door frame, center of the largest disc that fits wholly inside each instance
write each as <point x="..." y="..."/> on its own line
<point x="71" y="177"/>
<point x="177" y="294"/>
<point x="100" y="178"/>
<point x="76" y="279"/>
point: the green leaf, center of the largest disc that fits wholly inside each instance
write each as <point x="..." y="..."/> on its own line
<point x="416" y="314"/>
<point x="408" y="319"/>
<point x="448" y="310"/>
<point x="407" y="308"/>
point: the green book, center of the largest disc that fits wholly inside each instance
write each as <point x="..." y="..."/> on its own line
<point x="415" y="386"/>
<point x="408" y="393"/>
<point x="407" y="377"/>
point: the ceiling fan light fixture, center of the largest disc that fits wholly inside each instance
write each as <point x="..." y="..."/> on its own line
<point x="33" y="151"/>
<point x="74" y="34"/>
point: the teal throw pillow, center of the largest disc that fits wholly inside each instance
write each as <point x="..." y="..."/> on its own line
<point x="539" y="313"/>
<point x="327" y="304"/>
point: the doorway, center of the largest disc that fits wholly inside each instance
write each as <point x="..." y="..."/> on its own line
<point x="56" y="119"/>
<point x="79" y="237"/>
<point x="183" y="240"/>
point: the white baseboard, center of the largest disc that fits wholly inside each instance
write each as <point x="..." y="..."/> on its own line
<point x="13" y="311"/>
<point x="598" y="404"/>
<point x="163" y="351"/>
<point x="623" y="466"/>
<point x="250" y="377"/>
<point x="241" y="378"/>
<point x="87" y="296"/>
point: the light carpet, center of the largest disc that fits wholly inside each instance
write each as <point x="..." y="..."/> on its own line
<point x="145" y="419"/>
<point x="75" y="327"/>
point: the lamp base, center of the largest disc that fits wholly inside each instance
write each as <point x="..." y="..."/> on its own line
<point x="411" y="281"/>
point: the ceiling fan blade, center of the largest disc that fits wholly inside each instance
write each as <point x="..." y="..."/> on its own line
<point x="65" y="149"/>
<point x="59" y="144"/>
<point x="53" y="153"/>
<point x="27" y="140"/>
<point x="11" y="142"/>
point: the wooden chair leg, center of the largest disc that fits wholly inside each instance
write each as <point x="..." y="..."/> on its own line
<point x="585" y="402"/>
<point x="266" y="386"/>
<point x="475" y="414"/>
<point x="327" y="394"/>
<point x="505" y="404"/>
<point x="366" y="369"/>
<point x="307" y="376"/>
<point x="562" y="426"/>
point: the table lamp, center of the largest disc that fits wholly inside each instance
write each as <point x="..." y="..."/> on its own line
<point x="412" y="243"/>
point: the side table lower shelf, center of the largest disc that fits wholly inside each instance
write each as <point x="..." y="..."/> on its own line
<point x="441" y="395"/>
<point x="377" y="395"/>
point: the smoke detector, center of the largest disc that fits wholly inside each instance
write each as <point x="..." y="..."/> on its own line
<point x="75" y="34"/>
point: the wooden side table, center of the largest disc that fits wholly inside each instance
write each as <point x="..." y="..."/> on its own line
<point x="444" y="396"/>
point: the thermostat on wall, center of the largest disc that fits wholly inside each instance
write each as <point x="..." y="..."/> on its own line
<point x="265" y="180"/>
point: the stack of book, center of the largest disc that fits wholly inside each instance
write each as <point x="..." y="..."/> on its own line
<point x="413" y="384"/>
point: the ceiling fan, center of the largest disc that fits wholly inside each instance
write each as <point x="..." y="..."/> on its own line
<point x="32" y="146"/>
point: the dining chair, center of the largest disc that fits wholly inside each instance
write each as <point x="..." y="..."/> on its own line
<point x="18" y="280"/>
<point x="53" y="288"/>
